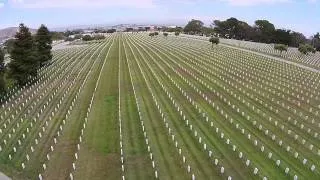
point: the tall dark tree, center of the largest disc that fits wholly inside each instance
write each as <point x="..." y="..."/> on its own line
<point x="282" y="36"/>
<point x="43" y="41"/>
<point x="233" y="28"/>
<point x="208" y="31"/>
<point x="194" y="27"/>
<point x="8" y="45"/>
<point x="297" y="38"/>
<point x="265" y="31"/>
<point x="24" y="61"/>
<point x="2" y="83"/>
<point x="316" y="41"/>
<point x="1" y="59"/>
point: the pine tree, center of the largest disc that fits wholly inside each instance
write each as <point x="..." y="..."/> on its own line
<point x="2" y="84"/>
<point x="24" y="63"/>
<point x="43" y="41"/>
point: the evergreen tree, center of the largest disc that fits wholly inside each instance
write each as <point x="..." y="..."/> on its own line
<point x="24" y="63"/>
<point x="43" y="41"/>
<point x="2" y="84"/>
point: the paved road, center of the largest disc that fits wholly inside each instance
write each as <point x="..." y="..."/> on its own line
<point x="268" y="56"/>
<point x="4" y="177"/>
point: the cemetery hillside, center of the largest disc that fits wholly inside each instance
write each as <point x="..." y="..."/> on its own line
<point x="219" y="101"/>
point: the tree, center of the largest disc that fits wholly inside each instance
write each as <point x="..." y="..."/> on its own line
<point x="193" y="27"/>
<point x="129" y="30"/>
<point x="151" y="34"/>
<point x="282" y="36"/>
<point x="69" y="39"/>
<point x="2" y="83"/>
<point x="306" y="48"/>
<point x="177" y="33"/>
<point x="8" y="45"/>
<point x="57" y="35"/>
<point x="111" y="30"/>
<point x="1" y="59"/>
<point x="24" y="63"/>
<point x="214" y="40"/>
<point x="265" y="31"/>
<point x="165" y="34"/>
<point x="281" y="47"/>
<point x="316" y="41"/>
<point x="297" y="38"/>
<point x="208" y="31"/>
<point x="233" y="28"/>
<point x="156" y="33"/>
<point x="98" y="37"/>
<point x="43" y="44"/>
<point x="78" y="36"/>
<point x="87" y="38"/>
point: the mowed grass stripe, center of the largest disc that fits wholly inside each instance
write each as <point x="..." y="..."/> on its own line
<point x="62" y="157"/>
<point x="13" y="142"/>
<point x="100" y="152"/>
<point x="167" y="158"/>
<point x="38" y="157"/>
<point x="137" y="162"/>
<point x="198" y="159"/>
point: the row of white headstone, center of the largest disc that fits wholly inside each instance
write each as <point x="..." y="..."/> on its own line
<point x="301" y="127"/>
<point x="283" y="126"/>
<point x="60" y="131"/>
<point x="206" y="117"/>
<point x="16" y="92"/>
<point x="308" y="130"/>
<point x="40" y="83"/>
<point x="167" y="126"/>
<point x="85" y="122"/>
<point x="263" y="146"/>
<point x="146" y="139"/>
<point x="44" y="125"/>
<point x="236" y="54"/>
<point x="202" y="143"/>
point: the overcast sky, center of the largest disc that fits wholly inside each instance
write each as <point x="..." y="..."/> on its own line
<point x="298" y="15"/>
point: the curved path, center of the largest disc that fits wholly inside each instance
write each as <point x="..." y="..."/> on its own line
<point x="265" y="55"/>
<point x="4" y="177"/>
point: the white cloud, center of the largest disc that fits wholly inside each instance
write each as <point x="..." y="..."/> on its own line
<point x="81" y="3"/>
<point x="254" y="2"/>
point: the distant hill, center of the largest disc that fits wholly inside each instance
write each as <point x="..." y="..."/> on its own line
<point x="10" y="32"/>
